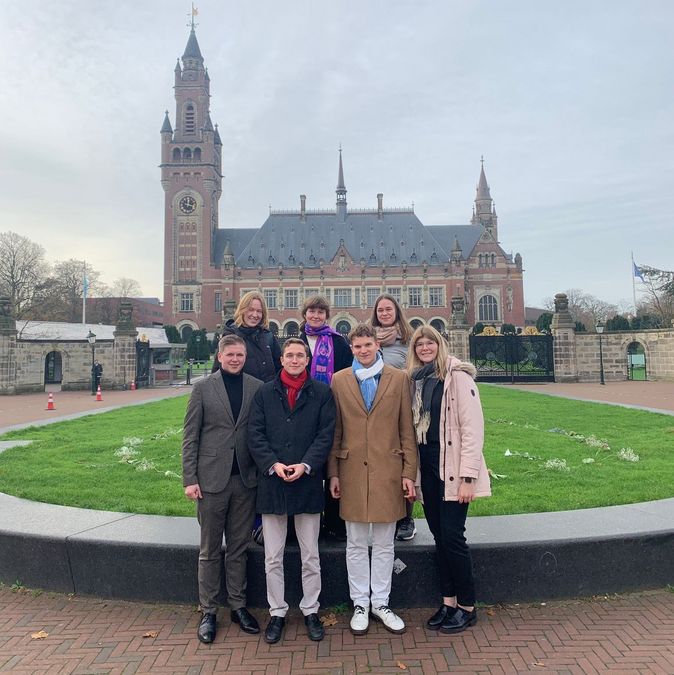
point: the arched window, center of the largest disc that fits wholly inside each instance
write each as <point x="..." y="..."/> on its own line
<point x="415" y="323"/>
<point x="53" y="368"/>
<point x="273" y="327"/>
<point x="439" y="325"/>
<point x="292" y="329"/>
<point x="186" y="332"/>
<point x="493" y="260"/>
<point x="190" y="119"/>
<point x="487" y="308"/>
<point x="197" y="154"/>
<point x="480" y="263"/>
<point x="176" y="154"/>
<point x="187" y="154"/>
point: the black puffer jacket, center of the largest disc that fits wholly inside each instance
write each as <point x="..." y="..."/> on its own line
<point x="263" y="354"/>
<point x="303" y="435"/>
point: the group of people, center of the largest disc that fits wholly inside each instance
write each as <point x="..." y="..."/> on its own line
<point x="348" y="433"/>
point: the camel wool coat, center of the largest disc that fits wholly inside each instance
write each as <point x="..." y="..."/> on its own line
<point x="372" y="452"/>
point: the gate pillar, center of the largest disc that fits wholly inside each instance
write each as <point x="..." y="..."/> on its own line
<point x="124" y="350"/>
<point x="564" y="346"/>
<point x="7" y="347"/>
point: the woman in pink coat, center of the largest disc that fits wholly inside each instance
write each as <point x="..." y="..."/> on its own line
<point x="450" y="432"/>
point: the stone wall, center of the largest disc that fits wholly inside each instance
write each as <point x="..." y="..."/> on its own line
<point x="658" y="345"/>
<point x="75" y="363"/>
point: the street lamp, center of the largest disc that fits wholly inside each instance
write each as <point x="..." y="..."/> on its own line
<point x="91" y="339"/>
<point x="600" y="330"/>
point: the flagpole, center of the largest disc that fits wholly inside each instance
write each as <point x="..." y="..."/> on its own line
<point x="84" y="294"/>
<point x="634" y="287"/>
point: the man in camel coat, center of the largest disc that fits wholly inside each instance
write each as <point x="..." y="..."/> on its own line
<point x="372" y="469"/>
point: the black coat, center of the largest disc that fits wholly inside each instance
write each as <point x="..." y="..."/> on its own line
<point x="343" y="353"/>
<point x="263" y="354"/>
<point x="303" y="435"/>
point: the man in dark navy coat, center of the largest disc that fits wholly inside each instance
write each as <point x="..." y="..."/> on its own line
<point x="292" y="423"/>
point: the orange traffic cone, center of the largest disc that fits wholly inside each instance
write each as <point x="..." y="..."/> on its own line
<point x="133" y="385"/>
<point x="50" y="402"/>
<point x="98" y="394"/>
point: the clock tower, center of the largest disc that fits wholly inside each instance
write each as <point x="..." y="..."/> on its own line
<point x="191" y="177"/>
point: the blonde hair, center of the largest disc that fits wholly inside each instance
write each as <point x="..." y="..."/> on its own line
<point x="404" y="329"/>
<point x="244" y="304"/>
<point x="414" y="362"/>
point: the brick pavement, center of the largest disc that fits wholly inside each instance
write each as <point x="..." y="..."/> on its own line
<point x="622" y="634"/>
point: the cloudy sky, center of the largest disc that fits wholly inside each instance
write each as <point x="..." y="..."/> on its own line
<point x="571" y="103"/>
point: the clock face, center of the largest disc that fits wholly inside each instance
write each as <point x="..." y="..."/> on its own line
<point x="188" y="204"/>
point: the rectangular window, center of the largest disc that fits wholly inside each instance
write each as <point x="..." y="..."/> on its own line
<point x="290" y="298"/>
<point x="342" y="297"/>
<point x="309" y="292"/>
<point x="372" y="295"/>
<point x="436" y="296"/>
<point x="270" y="297"/>
<point x="243" y="291"/>
<point x="187" y="302"/>
<point x="356" y="297"/>
<point x="414" y="295"/>
<point x="395" y="292"/>
<point x="218" y="301"/>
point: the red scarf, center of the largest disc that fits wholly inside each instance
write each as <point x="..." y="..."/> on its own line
<point x="293" y="385"/>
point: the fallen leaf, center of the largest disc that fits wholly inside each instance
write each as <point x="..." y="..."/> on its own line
<point x="329" y="620"/>
<point x="491" y="612"/>
<point x="41" y="635"/>
<point x="401" y="665"/>
<point x="151" y="633"/>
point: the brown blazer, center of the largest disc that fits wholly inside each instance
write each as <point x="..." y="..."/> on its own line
<point x="372" y="452"/>
<point x="211" y="437"/>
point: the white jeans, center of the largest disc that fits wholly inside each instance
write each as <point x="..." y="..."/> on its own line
<point x="370" y="584"/>
<point x="307" y="528"/>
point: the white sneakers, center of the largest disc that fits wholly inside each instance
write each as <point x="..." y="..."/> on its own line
<point x="360" y="621"/>
<point x="392" y="622"/>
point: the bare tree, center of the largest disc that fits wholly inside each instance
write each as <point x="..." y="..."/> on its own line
<point x="124" y="287"/>
<point x="658" y="286"/>
<point x="23" y="271"/>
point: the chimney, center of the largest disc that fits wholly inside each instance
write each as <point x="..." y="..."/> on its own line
<point x="303" y="208"/>
<point x="380" y="206"/>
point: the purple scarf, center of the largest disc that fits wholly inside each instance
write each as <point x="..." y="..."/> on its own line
<point x="323" y="359"/>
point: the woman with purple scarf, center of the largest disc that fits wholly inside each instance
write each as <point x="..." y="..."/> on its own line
<point x="330" y="353"/>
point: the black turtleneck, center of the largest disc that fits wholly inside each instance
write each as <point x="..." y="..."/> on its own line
<point x="234" y="388"/>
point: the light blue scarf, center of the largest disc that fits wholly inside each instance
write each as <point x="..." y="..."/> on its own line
<point x="368" y="379"/>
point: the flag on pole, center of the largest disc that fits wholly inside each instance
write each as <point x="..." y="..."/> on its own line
<point x="637" y="271"/>
<point x="195" y="11"/>
<point x="85" y="284"/>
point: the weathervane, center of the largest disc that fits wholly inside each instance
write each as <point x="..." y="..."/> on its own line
<point x="191" y="15"/>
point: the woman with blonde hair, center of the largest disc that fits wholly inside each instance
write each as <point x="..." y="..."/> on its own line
<point x="450" y="431"/>
<point x="251" y="322"/>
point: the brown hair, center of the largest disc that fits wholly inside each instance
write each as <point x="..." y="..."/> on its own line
<point x="414" y="362"/>
<point x="404" y="329"/>
<point x="363" y="330"/>
<point x="314" y="302"/>
<point x="230" y="340"/>
<point x="295" y="341"/>
<point x="243" y="305"/>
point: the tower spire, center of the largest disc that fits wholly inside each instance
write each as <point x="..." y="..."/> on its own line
<point x="483" y="209"/>
<point x="341" y="189"/>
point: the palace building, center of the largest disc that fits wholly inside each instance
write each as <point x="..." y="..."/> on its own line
<point x="350" y="255"/>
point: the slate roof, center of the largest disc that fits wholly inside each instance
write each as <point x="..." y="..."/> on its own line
<point x="400" y="236"/>
<point x="192" y="48"/>
<point x="59" y="330"/>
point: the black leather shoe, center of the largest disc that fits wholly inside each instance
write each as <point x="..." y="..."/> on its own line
<point x="436" y="620"/>
<point x="274" y="629"/>
<point x="459" y="621"/>
<point x="207" y="628"/>
<point x="315" y="629"/>
<point x="247" y="622"/>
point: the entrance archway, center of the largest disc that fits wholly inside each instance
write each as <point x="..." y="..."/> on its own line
<point x="636" y="361"/>
<point x="53" y="368"/>
<point x="186" y="332"/>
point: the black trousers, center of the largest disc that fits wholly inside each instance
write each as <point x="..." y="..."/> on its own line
<point x="447" y="522"/>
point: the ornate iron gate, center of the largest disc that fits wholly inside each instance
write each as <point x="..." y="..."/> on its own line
<point x="142" y="364"/>
<point x="513" y="358"/>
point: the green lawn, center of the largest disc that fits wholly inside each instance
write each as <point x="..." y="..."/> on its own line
<point x="80" y="463"/>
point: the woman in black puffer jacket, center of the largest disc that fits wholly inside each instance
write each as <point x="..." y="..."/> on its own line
<point x="250" y="322"/>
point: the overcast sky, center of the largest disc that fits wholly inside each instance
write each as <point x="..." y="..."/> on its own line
<point x="571" y="104"/>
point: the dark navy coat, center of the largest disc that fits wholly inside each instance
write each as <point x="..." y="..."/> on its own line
<point x="303" y="435"/>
